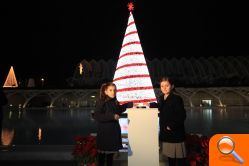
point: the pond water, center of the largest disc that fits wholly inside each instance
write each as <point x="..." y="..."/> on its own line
<point x="59" y="127"/>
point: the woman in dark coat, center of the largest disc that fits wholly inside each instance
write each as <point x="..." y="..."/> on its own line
<point x="172" y="131"/>
<point x="107" y="114"/>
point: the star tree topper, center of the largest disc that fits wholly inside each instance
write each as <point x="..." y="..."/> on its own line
<point x="130" y="6"/>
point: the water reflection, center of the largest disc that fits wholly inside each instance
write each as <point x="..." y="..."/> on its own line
<point x="50" y="113"/>
<point x="223" y="112"/>
<point x="71" y="112"/>
<point x="7" y="136"/>
<point x="10" y="114"/>
<point x="207" y="115"/>
<point x="19" y="114"/>
<point x="44" y="126"/>
<point x="39" y="135"/>
<point x="209" y="121"/>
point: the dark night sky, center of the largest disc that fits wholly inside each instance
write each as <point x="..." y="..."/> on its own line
<point x="59" y="34"/>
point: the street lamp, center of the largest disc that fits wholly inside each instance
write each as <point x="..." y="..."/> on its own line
<point x="42" y="81"/>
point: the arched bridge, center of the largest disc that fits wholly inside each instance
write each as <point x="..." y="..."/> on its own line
<point x="64" y="98"/>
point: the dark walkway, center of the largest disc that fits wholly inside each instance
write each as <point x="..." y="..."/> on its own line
<point x="48" y="155"/>
<point x="45" y="155"/>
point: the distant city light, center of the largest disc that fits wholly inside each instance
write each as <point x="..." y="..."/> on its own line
<point x="39" y="134"/>
<point x="42" y="80"/>
<point x="81" y="68"/>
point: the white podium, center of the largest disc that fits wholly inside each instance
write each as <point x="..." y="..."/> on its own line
<point x="143" y="137"/>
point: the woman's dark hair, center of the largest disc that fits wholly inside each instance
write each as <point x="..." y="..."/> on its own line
<point x="103" y="96"/>
<point x="167" y="79"/>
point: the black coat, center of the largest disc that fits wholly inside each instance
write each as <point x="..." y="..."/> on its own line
<point x="108" y="129"/>
<point x="172" y="114"/>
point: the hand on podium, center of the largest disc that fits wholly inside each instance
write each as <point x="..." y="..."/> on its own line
<point x="135" y="105"/>
<point x="141" y="105"/>
<point x="153" y="105"/>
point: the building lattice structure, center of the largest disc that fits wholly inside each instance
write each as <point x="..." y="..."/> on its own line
<point x="202" y="71"/>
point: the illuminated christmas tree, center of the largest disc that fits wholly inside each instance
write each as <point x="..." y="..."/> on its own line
<point x="132" y="76"/>
<point x="10" y="81"/>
